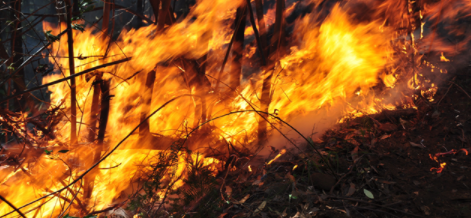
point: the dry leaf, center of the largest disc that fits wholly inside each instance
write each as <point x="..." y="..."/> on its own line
<point x="242" y="200"/>
<point x="284" y="213"/>
<point x="256" y="182"/>
<point x="373" y="142"/>
<point x="426" y="210"/>
<point x="416" y="145"/>
<point x="385" y="136"/>
<point x="291" y="178"/>
<point x="228" y="191"/>
<point x="351" y="190"/>
<point x="355" y="154"/>
<point x="387" y="127"/>
<point x="222" y="215"/>
<point x="260" y="207"/>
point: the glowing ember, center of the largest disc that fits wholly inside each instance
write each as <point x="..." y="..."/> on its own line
<point x="439" y="169"/>
<point x="443" y="58"/>
<point x="277" y="156"/>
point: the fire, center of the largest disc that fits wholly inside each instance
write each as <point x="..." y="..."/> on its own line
<point x="329" y="72"/>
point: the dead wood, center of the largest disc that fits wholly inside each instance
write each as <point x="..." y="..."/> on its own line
<point x="146" y="98"/>
<point x="163" y="15"/>
<point x="238" y="47"/>
<point x="89" y="180"/>
<point x="260" y="43"/>
<point x="237" y="24"/>
<point x="277" y="42"/>
<point x="155" y="4"/>
<point x="262" y="26"/>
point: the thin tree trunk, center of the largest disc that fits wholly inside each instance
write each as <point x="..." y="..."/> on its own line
<point x="163" y="15"/>
<point x="97" y="86"/>
<point x="147" y="90"/>
<point x="17" y="54"/>
<point x="73" y="100"/>
<point x="277" y="42"/>
<point x="155" y="8"/>
<point x="106" y="18"/>
<point x="140" y="10"/>
<point x="238" y="47"/>
<point x="144" y="129"/>
<point x="92" y="133"/>
<point x="261" y="26"/>
<point x="94" y="109"/>
<point x="105" y="108"/>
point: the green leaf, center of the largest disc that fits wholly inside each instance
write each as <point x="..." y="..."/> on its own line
<point x="48" y="153"/>
<point x="368" y="194"/>
<point x="50" y="37"/>
<point x="90" y="216"/>
<point x="63" y="151"/>
<point x="80" y="27"/>
<point x="67" y="216"/>
<point x="11" y="67"/>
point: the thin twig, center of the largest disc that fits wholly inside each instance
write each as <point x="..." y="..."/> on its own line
<point x="12" y="206"/>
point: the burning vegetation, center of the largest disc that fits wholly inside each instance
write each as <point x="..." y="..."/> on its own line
<point x="220" y="108"/>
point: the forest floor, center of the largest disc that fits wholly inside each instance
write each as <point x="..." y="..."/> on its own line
<point x="385" y="168"/>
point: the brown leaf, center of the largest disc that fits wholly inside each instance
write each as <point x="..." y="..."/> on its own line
<point x="351" y="190"/>
<point x="385" y="136"/>
<point x="291" y="178"/>
<point x="355" y="154"/>
<point x="426" y="210"/>
<point x="228" y="191"/>
<point x="260" y="207"/>
<point x="373" y="142"/>
<point x="387" y="127"/>
<point x="284" y="213"/>
<point x="242" y="200"/>
<point x="222" y="215"/>
<point x="416" y="145"/>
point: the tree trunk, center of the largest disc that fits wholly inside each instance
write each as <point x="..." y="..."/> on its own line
<point x="261" y="26"/>
<point x="106" y="18"/>
<point x="139" y="10"/>
<point x="163" y="15"/>
<point x="277" y="43"/>
<point x="73" y="100"/>
<point x="17" y="55"/>
<point x="155" y="8"/>
<point x="146" y="96"/>
<point x="238" y="48"/>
